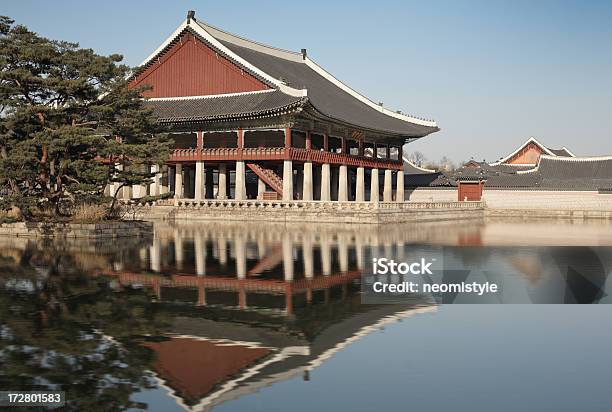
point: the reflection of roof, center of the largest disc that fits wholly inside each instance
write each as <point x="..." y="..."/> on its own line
<point x="272" y="350"/>
<point x="193" y="367"/>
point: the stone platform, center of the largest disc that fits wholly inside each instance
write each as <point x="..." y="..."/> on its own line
<point x="309" y="211"/>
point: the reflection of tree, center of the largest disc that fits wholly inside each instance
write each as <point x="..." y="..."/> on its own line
<point x="63" y="330"/>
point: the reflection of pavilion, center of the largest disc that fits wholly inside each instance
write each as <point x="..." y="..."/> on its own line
<point x="206" y="363"/>
<point x="253" y="307"/>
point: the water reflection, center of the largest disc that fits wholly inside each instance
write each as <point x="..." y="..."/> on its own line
<point x="213" y="312"/>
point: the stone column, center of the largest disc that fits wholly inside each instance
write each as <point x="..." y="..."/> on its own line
<point x="287" y="180"/>
<point x="240" y="181"/>
<point x="374" y="190"/>
<point x="261" y="188"/>
<point x="199" y="181"/>
<point x="343" y="192"/>
<point x="360" y="189"/>
<point x="307" y="184"/>
<point x="388" y="188"/>
<point x="325" y="183"/>
<point x="399" y="191"/>
<point x="209" y="183"/>
<point x="222" y="189"/>
<point x="154" y="186"/>
<point x="164" y="188"/>
<point x="178" y="181"/>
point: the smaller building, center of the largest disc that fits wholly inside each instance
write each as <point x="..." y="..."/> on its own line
<point x="528" y="154"/>
<point x="556" y="180"/>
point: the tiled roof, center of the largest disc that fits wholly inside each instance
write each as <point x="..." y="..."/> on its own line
<point x="223" y="106"/>
<point x="551" y="173"/>
<point x="325" y="96"/>
<point x="563" y="152"/>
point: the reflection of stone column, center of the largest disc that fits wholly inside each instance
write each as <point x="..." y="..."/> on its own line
<point x="261" y="188"/>
<point x="343" y="184"/>
<point x="240" y="251"/>
<point x="360" y="189"/>
<point x="325" y="182"/>
<point x="155" y="255"/>
<point x="178" y="181"/>
<point x="199" y="180"/>
<point x="240" y="181"/>
<point x="307" y="184"/>
<point x="201" y="295"/>
<point x="222" y="248"/>
<point x="374" y="190"/>
<point x="399" y="192"/>
<point x="343" y="254"/>
<point x="200" y="253"/>
<point x="388" y="189"/>
<point x="326" y="257"/>
<point x="287" y="258"/>
<point x="287" y="180"/>
<point x="178" y="249"/>
<point x="222" y="189"/>
<point x="308" y="259"/>
<point x="359" y="253"/>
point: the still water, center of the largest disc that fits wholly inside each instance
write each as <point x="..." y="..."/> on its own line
<point x="240" y="317"/>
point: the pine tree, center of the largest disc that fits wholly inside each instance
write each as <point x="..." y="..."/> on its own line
<point x="68" y="123"/>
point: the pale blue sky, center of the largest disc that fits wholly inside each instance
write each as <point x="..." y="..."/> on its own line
<point x="491" y="73"/>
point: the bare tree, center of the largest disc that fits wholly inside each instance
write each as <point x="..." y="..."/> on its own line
<point x="418" y="158"/>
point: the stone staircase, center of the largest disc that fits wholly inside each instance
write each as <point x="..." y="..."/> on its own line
<point x="269" y="177"/>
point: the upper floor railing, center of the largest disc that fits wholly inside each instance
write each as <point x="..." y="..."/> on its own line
<point x="281" y="153"/>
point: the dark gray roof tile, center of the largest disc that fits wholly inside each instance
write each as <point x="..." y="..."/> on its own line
<point x="212" y="108"/>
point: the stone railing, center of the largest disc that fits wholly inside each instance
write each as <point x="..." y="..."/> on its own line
<point x="314" y="205"/>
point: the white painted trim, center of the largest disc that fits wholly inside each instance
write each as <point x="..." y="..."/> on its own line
<point x="216" y="43"/>
<point x="319" y="70"/>
<point x="208" y="96"/>
<point x="578" y="159"/>
<point x="422" y="169"/>
<point x="251" y="44"/>
<point x="530" y="140"/>
<point x="568" y="151"/>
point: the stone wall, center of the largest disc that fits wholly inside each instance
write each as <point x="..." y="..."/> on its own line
<point x="320" y="212"/>
<point x="77" y="230"/>
<point x="423" y="194"/>
<point x="547" y="200"/>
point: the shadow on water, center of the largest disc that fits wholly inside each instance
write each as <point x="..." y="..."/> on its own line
<point x="213" y="312"/>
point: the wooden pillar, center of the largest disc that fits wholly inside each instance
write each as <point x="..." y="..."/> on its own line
<point x="200" y="141"/>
